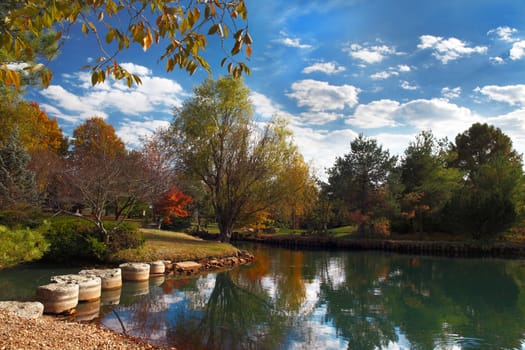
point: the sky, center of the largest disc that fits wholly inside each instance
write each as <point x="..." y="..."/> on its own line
<point x="334" y="69"/>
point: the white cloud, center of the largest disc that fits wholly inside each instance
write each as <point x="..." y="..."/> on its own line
<point x="450" y="49"/>
<point x="319" y="118"/>
<point x="384" y="75"/>
<point x="407" y="86"/>
<point x="132" y="131"/>
<point x="450" y="93"/>
<point x="497" y="60"/>
<point x="286" y="40"/>
<point x="504" y="33"/>
<point x="376" y="114"/>
<point x="404" y="68"/>
<point x="324" y="67"/>
<point x="78" y="99"/>
<point x="511" y="94"/>
<point x="370" y="53"/>
<point x="517" y="52"/>
<point x="321" y="96"/>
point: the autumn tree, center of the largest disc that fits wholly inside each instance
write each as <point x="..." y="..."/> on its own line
<point x="486" y="204"/>
<point x="359" y="179"/>
<point x="173" y="203"/>
<point x="182" y="27"/>
<point x="17" y="182"/>
<point x="428" y="183"/>
<point x="218" y="142"/>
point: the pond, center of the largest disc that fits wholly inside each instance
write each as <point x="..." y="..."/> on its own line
<point x="291" y="299"/>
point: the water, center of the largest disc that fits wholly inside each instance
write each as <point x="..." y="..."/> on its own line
<point x="332" y="300"/>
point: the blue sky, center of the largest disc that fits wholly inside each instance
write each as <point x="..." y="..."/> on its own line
<point x="334" y="69"/>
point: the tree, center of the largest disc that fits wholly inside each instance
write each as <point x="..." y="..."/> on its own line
<point x="173" y="203"/>
<point x="99" y="173"/>
<point x="218" y="143"/>
<point x="486" y="205"/>
<point x="428" y="183"/>
<point x="17" y="182"/>
<point x="359" y="179"/>
<point x="182" y="25"/>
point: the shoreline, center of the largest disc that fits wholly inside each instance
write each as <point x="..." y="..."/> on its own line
<point x="464" y="249"/>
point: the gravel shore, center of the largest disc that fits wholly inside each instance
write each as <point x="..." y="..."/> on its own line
<point x="48" y="332"/>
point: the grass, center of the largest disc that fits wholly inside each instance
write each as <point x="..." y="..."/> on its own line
<point x="175" y="246"/>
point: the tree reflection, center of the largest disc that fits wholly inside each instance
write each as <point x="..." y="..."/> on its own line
<point x="233" y="318"/>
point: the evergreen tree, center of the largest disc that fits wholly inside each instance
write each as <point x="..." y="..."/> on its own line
<point x="17" y="182"/>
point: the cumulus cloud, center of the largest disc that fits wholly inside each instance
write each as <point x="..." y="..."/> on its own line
<point x="517" y="52"/>
<point x="321" y="96"/>
<point x="376" y="114"/>
<point x="370" y="53"/>
<point x="324" y="67"/>
<point x="451" y="93"/>
<point x="391" y="72"/>
<point x="132" y="131"/>
<point x="450" y="49"/>
<point x="319" y="118"/>
<point x="503" y="33"/>
<point x="286" y="40"/>
<point x="405" y="85"/>
<point x="511" y="94"/>
<point x="78" y="99"/>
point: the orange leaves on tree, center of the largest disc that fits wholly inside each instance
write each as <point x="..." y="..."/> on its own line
<point x="173" y="204"/>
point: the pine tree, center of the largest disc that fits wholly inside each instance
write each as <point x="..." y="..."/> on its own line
<point x="17" y="182"/>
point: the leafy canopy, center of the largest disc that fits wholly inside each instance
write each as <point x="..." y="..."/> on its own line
<point x="183" y="26"/>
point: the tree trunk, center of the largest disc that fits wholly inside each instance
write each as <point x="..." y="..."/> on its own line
<point x="226" y="230"/>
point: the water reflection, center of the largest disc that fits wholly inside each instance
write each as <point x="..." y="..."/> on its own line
<point x="332" y="300"/>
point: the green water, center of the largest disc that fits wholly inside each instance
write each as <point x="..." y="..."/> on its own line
<point x="332" y="300"/>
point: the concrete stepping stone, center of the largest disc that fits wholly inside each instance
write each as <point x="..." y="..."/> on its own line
<point x="30" y="309"/>
<point x="87" y="311"/>
<point x="135" y="271"/>
<point x="157" y="268"/>
<point x="58" y="297"/>
<point x="111" y="278"/>
<point x="168" y="265"/>
<point x="188" y="266"/>
<point x="90" y="287"/>
<point x="111" y="296"/>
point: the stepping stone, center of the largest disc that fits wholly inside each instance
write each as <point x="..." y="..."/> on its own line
<point x="33" y="309"/>
<point x="135" y="271"/>
<point x="111" y="278"/>
<point x="87" y="311"/>
<point x="188" y="266"/>
<point x="157" y="268"/>
<point x="168" y="265"/>
<point x="111" y="296"/>
<point x="90" y="287"/>
<point x="58" y="297"/>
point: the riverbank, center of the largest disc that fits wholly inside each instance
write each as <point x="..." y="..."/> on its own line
<point x="49" y="332"/>
<point x="419" y="247"/>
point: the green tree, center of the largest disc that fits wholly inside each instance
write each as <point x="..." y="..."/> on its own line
<point x="17" y="182"/>
<point x="359" y="179"/>
<point x="218" y="142"/>
<point x="485" y="206"/>
<point x="428" y="183"/>
<point x="183" y="26"/>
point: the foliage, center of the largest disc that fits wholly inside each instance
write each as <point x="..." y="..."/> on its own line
<point x="173" y="203"/>
<point x="218" y="143"/>
<point x="359" y="179"/>
<point x="428" y="184"/>
<point x="96" y="138"/>
<point x="20" y="245"/>
<point x="486" y="204"/>
<point x="17" y="182"/>
<point x="182" y="25"/>
<point x="21" y="216"/>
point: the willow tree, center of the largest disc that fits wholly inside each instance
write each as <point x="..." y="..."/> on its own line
<point x="218" y="141"/>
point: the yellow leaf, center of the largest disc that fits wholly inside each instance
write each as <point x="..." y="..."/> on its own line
<point x="146" y="42"/>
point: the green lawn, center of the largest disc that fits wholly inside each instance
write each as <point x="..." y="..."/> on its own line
<point x="175" y="246"/>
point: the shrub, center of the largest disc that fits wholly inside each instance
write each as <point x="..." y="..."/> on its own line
<point x="20" y="245"/>
<point x="71" y="238"/>
<point x="21" y="216"/>
<point x="124" y="235"/>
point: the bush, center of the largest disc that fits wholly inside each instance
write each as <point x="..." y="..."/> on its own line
<point x="20" y="245"/>
<point x="124" y="235"/>
<point x="21" y="216"/>
<point x="71" y="239"/>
